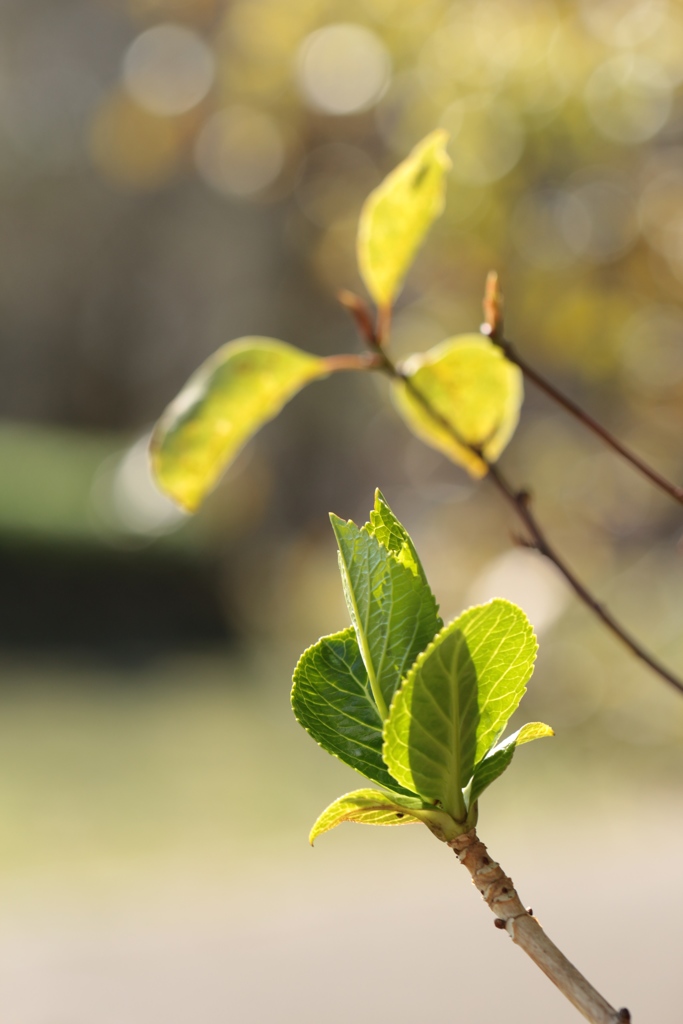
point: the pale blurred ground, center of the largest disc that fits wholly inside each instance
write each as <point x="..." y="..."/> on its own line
<point x="154" y="867"/>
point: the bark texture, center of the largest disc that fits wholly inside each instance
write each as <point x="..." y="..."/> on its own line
<point x="499" y="893"/>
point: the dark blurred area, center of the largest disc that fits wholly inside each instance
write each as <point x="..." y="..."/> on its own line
<point x="177" y="173"/>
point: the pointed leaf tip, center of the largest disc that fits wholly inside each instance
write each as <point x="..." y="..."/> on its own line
<point x="497" y="760"/>
<point x="392" y="609"/>
<point x="393" y="535"/>
<point x="397" y="215"/>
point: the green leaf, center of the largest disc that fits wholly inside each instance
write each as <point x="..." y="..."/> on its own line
<point x="234" y="393"/>
<point x="331" y="698"/>
<point x="393" y="535"/>
<point x="397" y="215"/>
<point x="475" y="392"/>
<point x="500" y="756"/>
<point x="393" y="611"/>
<point x="369" y="807"/>
<point x="456" y="700"/>
<point x="372" y="807"/>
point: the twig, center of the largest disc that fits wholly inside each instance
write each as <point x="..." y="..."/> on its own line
<point x="521" y="503"/>
<point x="353" y="361"/>
<point x="499" y="893"/>
<point x="362" y="317"/>
<point x="583" y="417"/>
<point x="493" y="328"/>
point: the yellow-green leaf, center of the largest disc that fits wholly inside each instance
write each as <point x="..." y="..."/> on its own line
<point x="456" y="700"/>
<point x="234" y="393"/>
<point x="475" y="393"/>
<point x="368" y="806"/>
<point x="494" y="763"/>
<point x="397" y="215"/>
<point x="374" y="807"/>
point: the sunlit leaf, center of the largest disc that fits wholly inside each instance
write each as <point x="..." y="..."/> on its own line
<point x="368" y="806"/>
<point x="502" y="647"/>
<point x="456" y="700"/>
<point x="498" y="759"/>
<point x="394" y="536"/>
<point x="397" y="215"/>
<point x="475" y="392"/>
<point x="373" y="807"/>
<point x="393" y="610"/>
<point x="332" y="699"/>
<point x="234" y="393"/>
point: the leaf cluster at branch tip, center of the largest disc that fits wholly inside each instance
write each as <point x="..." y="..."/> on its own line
<point x="415" y="706"/>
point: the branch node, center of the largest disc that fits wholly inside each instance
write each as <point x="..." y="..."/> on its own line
<point x="360" y="311"/>
<point x="493" y="307"/>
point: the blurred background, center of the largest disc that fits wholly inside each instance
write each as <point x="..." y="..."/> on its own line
<point x="176" y="173"/>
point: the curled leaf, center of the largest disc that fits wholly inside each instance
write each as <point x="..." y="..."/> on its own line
<point x="498" y="759"/>
<point x="475" y="394"/>
<point x="373" y="807"/>
<point x="234" y="393"/>
<point x="369" y="807"/>
<point x="397" y="215"/>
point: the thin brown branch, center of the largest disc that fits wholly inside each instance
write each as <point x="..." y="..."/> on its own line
<point x="383" y="328"/>
<point x="493" y="307"/>
<point x="500" y="895"/>
<point x="578" y="413"/>
<point x="494" y="329"/>
<point x="353" y="361"/>
<point x="520" y="502"/>
<point x="360" y="311"/>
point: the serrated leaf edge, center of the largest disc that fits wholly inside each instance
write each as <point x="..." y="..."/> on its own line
<point x="438" y="639"/>
<point x="332" y="753"/>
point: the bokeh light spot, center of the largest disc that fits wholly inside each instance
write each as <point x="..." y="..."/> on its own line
<point x="527" y="580"/>
<point x="628" y="98"/>
<point x="487" y="139"/>
<point x="141" y="507"/>
<point x="168" y="69"/>
<point x="239" y="151"/>
<point x="125" y="499"/>
<point x="623" y="23"/>
<point x="343" y="69"/>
